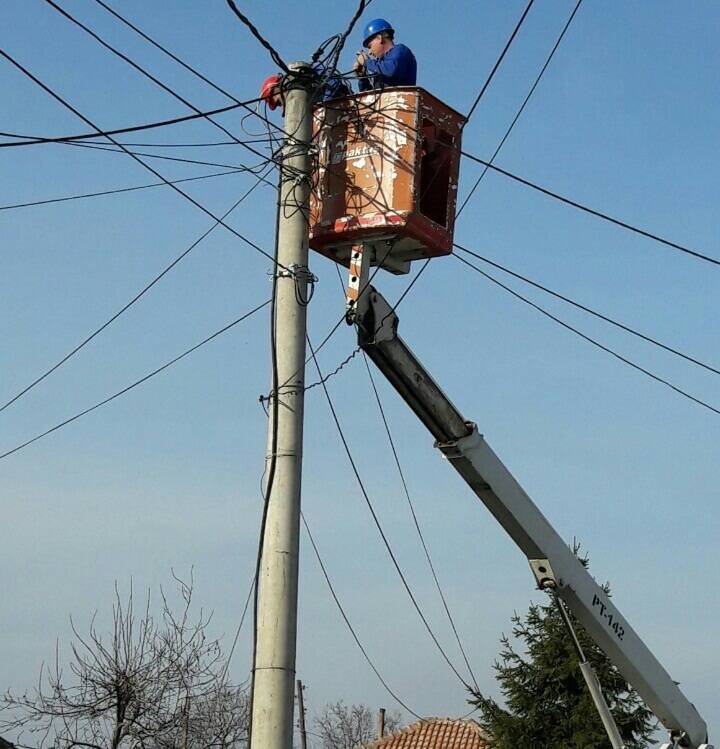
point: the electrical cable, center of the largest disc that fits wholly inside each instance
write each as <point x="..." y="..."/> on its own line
<point x="575" y="204"/>
<point x="148" y="75"/>
<point x="592" y="211"/>
<point x="170" y="54"/>
<point x="342" y="320"/>
<point x="265" y="43"/>
<point x="69" y="106"/>
<point x="335" y="54"/>
<point x="124" y="149"/>
<point x="322" y="47"/>
<point x="590" y="311"/>
<point x="402" y="475"/>
<point x="273" y="440"/>
<point x="497" y="64"/>
<point x="335" y="371"/>
<point x="238" y="630"/>
<point x="417" y="523"/>
<point x="126" y="306"/>
<point x="191" y="69"/>
<point x="582" y="335"/>
<point x="522" y="107"/>
<point x="35" y="139"/>
<point x="118" y="190"/>
<point x="196" y="144"/>
<point x="378" y="524"/>
<point x="407" y="289"/>
<point x="264" y="398"/>
<point x="350" y="626"/>
<point x="134" y="384"/>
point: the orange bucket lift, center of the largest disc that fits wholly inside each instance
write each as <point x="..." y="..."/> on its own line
<point x="386" y="185"/>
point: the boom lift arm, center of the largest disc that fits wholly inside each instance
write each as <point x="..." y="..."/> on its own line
<point x="555" y="567"/>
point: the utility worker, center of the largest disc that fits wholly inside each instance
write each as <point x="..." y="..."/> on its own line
<point x="330" y="86"/>
<point x="271" y="92"/>
<point x="385" y="63"/>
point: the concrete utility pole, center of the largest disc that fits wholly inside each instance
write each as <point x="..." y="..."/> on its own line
<point x="273" y="700"/>
<point x="301" y="715"/>
<point x="381" y="723"/>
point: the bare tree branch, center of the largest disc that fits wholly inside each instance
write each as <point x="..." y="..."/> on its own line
<point x="149" y="684"/>
<point x="341" y="726"/>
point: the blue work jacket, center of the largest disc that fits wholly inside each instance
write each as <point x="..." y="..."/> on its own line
<point x="333" y="87"/>
<point x="397" y="68"/>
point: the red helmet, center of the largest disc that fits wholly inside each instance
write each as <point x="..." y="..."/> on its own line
<point x="270" y="89"/>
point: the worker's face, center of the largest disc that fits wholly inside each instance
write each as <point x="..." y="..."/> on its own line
<point x="375" y="46"/>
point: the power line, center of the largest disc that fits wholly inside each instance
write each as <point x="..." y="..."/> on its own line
<point x="334" y="329"/>
<point x="582" y="335"/>
<point x="417" y="523"/>
<point x="170" y="54"/>
<point x="350" y="626"/>
<point x="267" y="398"/>
<point x="378" y="524"/>
<point x="69" y="106"/>
<point x="118" y="190"/>
<point x="590" y="311"/>
<point x="265" y="43"/>
<point x="195" y="144"/>
<point x="207" y="80"/>
<point x="499" y="60"/>
<point x="126" y="306"/>
<point x="193" y="70"/>
<point x="522" y="107"/>
<point x="342" y="320"/>
<point x="226" y="666"/>
<point x="273" y="422"/>
<point x="134" y="384"/>
<point x="124" y="149"/>
<point x="592" y="211"/>
<point x="402" y="476"/>
<point x="34" y="140"/>
<point x="335" y="55"/>
<point x="147" y="74"/>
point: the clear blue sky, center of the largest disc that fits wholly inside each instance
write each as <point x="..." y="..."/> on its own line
<point x="625" y="120"/>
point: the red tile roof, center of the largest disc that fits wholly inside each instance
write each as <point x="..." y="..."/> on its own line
<point x="436" y="733"/>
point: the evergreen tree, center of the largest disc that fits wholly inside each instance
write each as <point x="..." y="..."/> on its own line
<point x="547" y="703"/>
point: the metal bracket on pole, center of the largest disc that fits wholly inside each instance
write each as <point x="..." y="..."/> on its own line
<point x="360" y="256"/>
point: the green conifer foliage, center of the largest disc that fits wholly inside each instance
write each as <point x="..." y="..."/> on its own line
<point x="547" y="703"/>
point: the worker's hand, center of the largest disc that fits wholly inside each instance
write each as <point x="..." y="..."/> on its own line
<point x="360" y="61"/>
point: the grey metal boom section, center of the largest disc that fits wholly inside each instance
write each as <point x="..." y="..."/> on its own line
<point x="467" y="451"/>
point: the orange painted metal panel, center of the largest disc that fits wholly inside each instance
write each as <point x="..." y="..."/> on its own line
<point x="387" y="174"/>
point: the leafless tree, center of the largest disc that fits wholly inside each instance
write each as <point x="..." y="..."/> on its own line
<point x="150" y="684"/>
<point x="341" y="726"/>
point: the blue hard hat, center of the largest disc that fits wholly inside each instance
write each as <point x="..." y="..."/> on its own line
<point x="375" y="27"/>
